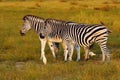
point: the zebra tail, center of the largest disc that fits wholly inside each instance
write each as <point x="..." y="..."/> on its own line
<point x="109" y="31"/>
<point x="102" y="23"/>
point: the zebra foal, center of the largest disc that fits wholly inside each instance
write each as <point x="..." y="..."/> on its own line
<point x="82" y="35"/>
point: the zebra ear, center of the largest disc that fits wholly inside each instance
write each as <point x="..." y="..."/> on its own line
<point x="25" y="18"/>
<point x="45" y="23"/>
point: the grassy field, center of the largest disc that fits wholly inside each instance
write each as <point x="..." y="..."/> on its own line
<point x="19" y="56"/>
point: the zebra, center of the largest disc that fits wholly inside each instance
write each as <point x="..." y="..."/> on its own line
<point x="82" y="35"/>
<point x="76" y="46"/>
<point x="37" y="23"/>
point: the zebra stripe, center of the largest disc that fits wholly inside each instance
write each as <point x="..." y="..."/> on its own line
<point x="37" y="23"/>
<point x="83" y="35"/>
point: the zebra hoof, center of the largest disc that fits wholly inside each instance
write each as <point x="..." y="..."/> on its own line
<point x="108" y="62"/>
<point x="86" y="59"/>
<point x="56" y="56"/>
<point x="70" y="60"/>
<point x="101" y="62"/>
<point x="78" y="60"/>
<point x="44" y="61"/>
<point x="65" y="61"/>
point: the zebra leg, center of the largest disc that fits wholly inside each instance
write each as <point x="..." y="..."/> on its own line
<point x="86" y="53"/>
<point x="53" y="48"/>
<point x="65" y="47"/>
<point x="71" y="48"/>
<point x="43" y="43"/>
<point x="78" y="52"/>
<point x="102" y="43"/>
<point x="105" y="51"/>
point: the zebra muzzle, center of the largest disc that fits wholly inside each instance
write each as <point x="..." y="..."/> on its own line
<point x="42" y="36"/>
<point x="22" y="34"/>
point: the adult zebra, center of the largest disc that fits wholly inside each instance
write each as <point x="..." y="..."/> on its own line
<point x="37" y="23"/>
<point x="82" y="35"/>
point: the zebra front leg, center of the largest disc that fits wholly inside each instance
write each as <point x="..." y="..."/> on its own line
<point x="86" y="53"/>
<point x="43" y="43"/>
<point x="78" y="52"/>
<point x="53" y="48"/>
<point x="65" y="47"/>
<point x="71" y="48"/>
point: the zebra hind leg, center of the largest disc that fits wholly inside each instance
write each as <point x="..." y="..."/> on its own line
<point x="86" y="53"/>
<point x="70" y="50"/>
<point x="77" y="47"/>
<point x="105" y="51"/>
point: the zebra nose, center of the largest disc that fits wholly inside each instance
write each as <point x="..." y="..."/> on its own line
<point x="42" y="36"/>
<point x="22" y="34"/>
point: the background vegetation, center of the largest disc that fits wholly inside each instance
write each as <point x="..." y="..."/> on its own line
<point x="19" y="56"/>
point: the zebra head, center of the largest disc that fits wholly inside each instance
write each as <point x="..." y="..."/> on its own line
<point x="46" y="30"/>
<point x="26" y="26"/>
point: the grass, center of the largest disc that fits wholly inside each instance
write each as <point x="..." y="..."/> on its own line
<point x="32" y="70"/>
<point x="19" y="56"/>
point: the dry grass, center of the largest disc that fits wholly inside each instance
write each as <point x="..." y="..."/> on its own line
<point x="74" y="3"/>
<point x="106" y="7"/>
<point x="62" y="0"/>
<point x="106" y="2"/>
<point x="38" y="5"/>
<point x="19" y="56"/>
<point x="116" y="1"/>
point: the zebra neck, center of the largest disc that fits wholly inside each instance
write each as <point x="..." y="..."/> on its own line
<point x="37" y="26"/>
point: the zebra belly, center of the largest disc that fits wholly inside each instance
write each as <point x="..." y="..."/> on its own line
<point x="55" y="39"/>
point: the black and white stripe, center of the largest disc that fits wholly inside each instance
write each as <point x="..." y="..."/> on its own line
<point x="82" y="35"/>
<point x="37" y="24"/>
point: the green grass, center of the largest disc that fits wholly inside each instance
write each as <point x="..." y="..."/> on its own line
<point x="19" y="56"/>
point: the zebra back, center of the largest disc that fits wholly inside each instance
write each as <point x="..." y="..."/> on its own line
<point x="83" y="34"/>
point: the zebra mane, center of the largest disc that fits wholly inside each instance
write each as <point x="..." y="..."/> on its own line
<point x="63" y="22"/>
<point x="27" y="17"/>
<point x="59" y="21"/>
<point x="54" y="20"/>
